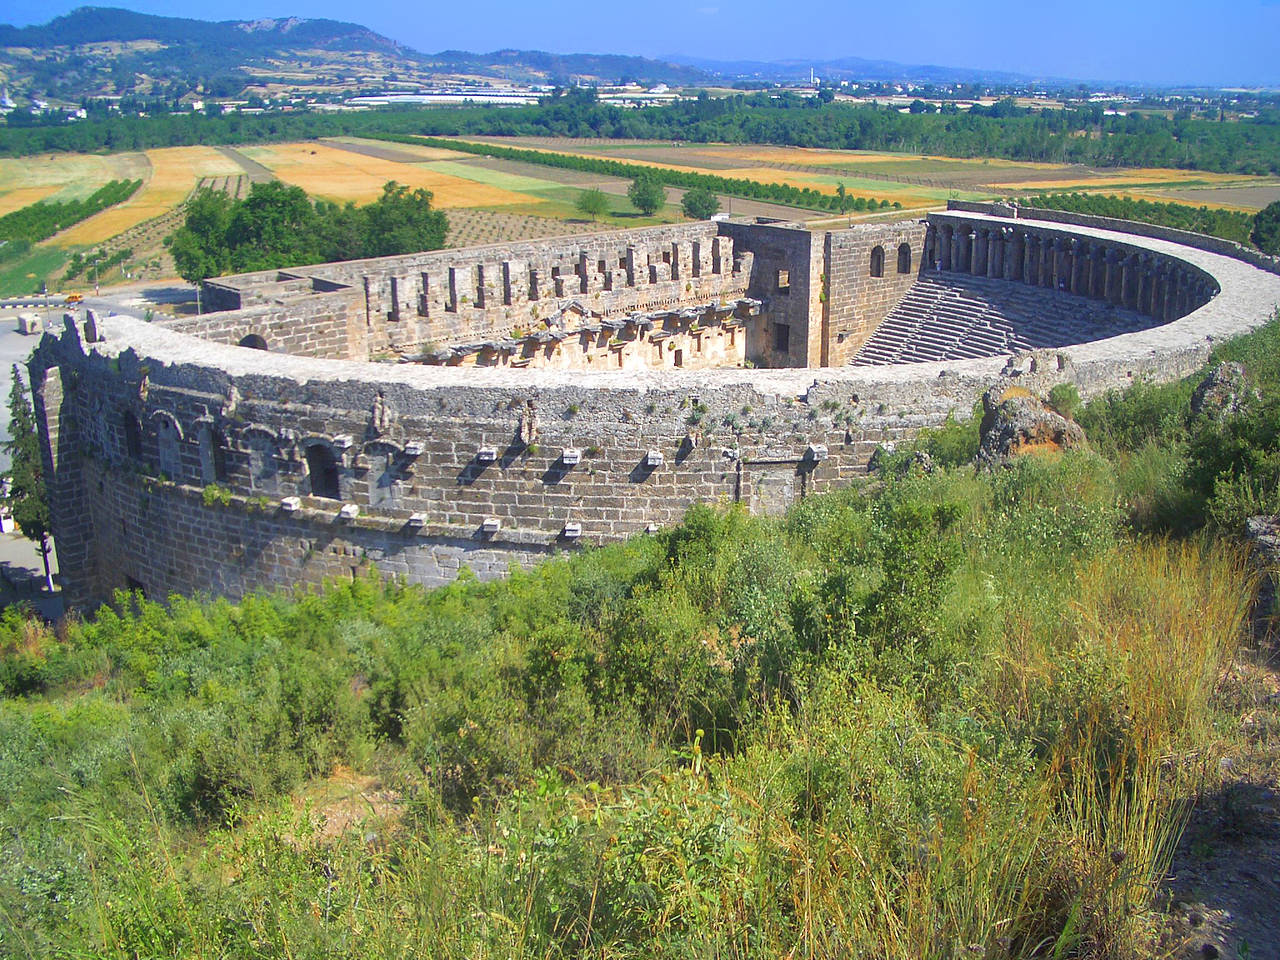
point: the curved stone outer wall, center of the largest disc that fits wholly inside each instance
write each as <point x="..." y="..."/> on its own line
<point x="172" y="461"/>
<point x="1123" y="273"/>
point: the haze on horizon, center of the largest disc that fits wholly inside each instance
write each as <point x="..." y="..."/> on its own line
<point x="1230" y="43"/>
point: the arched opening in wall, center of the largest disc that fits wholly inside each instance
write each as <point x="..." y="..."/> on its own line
<point x="322" y="467"/>
<point x="388" y="477"/>
<point x="253" y="341"/>
<point x="132" y="434"/>
<point x="213" y="456"/>
<point x="904" y="258"/>
<point x="877" y="262"/>
<point x="168" y="448"/>
<point x="264" y="466"/>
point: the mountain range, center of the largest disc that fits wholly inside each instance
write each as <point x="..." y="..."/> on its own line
<point x="105" y="51"/>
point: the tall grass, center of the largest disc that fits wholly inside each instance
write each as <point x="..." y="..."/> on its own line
<point x="960" y="715"/>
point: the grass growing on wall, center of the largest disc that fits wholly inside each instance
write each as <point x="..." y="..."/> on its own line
<point x="949" y="715"/>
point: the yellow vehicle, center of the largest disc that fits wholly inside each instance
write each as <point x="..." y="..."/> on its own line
<point x="75" y="297"/>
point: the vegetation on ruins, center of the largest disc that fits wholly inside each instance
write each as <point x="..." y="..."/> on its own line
<point x="699" y="203"/>
<point x="931" y="715"/>
<point x="593" y="203"/>
<point x="278" y="225"/>
<point x="21" y="229"/>
<point x="1077" y="135"/>
<point x="1216" y="222"/>
<point x="646" y="193"/>
<point x="1266" y="229"/>
<point x="26" y="497"/>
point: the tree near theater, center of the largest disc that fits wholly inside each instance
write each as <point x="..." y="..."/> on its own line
<point x="26" y="497"/>
<point x="646" y="194"/>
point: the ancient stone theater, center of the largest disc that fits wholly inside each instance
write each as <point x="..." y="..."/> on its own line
<point x="491" y="406"/>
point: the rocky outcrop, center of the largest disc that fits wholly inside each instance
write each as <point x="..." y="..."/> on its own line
<point x="1223" y="392"/>
<point x="883" y="461"/>
<point x="1263" y="535"/>
<point x="1016" y="422"/>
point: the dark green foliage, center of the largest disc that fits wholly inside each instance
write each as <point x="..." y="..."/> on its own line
<point x="1183" y="471"/>
<point x="1227" y="224"/>
<point x="955" y="443"/>
<point x="1266" y="229"/>
<point x="707" y="742"/>
<point x="699" y="203"/>
<point x="278" y="226"/>
<point x="1125" y="420"/>
<point x="656" y="177"/>
<point x="399" y="221"/>
<point x="646" y="194"/>
<point x="1065" y="399"/>
<point x="1078" y="135"/>
<point x="95" y="264"/>
<point x="42" y="220"/>
<point x="593" y="203"/>
<point x="28" y="498"/>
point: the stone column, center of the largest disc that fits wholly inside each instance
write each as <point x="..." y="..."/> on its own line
<point x="1146" y="300"/>
<point x="978" y="262"/>
<point x="946" y="246"/>
<point x="1012" y="254"/>
<point x="1129" y="281"/>
<point x="1031" y="264"/>
<point x="1079" y="257"/>
<point x="995" y="253"/>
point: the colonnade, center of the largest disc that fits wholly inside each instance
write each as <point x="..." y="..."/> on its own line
<point x="1156" y="286"/>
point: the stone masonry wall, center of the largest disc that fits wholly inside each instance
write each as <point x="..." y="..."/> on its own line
<point x="448" y="296"/>
<point x="786" y="273"/>
<point x="174" y="461"/>
<point x="868" y="270"/>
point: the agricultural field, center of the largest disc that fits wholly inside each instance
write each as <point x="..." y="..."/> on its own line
<point x="492" y="199"/>
<point x="333" y="173"/>
<point x="485" y="203"/>
<point x="174" y="173"/>
<point x="935" y="179"/>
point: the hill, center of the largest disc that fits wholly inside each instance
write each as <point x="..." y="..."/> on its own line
<point x="947" y="713"/>
<point x="106" y="51"/>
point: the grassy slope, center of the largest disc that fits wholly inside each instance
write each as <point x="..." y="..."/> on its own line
<point x="956" y="709"/>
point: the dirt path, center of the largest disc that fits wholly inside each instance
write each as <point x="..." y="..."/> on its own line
<point x="1223" y="887"/>
<point x="256" y="171"/>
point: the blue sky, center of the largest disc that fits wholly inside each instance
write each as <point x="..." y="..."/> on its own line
<point x="1230" y="42"/>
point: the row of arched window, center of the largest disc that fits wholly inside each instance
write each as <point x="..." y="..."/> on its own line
<point x="322" y="462"/>
<point x="877" y="259"/>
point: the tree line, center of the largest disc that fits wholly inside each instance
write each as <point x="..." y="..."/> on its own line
<point x="753" y="189"/>
<point x="1227" y="224"/>
<point x="39" y="221"/>
<point x="280" y="226"/>
<point x="1079" y="135"/>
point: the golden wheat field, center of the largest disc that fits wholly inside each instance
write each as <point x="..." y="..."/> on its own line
<point x="174" y="173"/>
<point x="25" y="196"/>
<point x="1121" y="178"/>
<point x="342" y="175"/>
